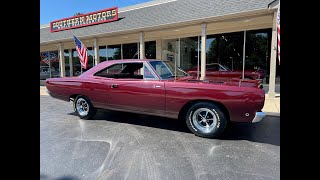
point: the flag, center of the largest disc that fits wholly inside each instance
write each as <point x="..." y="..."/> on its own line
<point x="82" y="52"/>
<point x="278" y="29"/>
<point x="45" y="58"/>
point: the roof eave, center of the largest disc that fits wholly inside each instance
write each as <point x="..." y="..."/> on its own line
<point x="161" y="26"/>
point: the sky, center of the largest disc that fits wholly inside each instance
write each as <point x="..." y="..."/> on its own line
<point x="51" y="10"/>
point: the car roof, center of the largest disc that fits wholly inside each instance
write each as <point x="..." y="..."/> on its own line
<point x="103" y="64"/>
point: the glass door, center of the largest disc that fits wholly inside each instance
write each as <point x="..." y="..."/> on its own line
<point x="171" y="51"/>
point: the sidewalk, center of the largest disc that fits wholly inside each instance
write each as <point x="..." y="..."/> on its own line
<point x="271" y="105"/>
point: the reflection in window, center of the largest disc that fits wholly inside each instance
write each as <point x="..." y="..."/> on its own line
<point x="130" y="51"/>
<point x="167" y="69"/>
<point x="49" y="65"/>
<point x="102" y="53"/>
<point x="90" y="58"/>
<point x="147" y="73"/>
<point x="189" y="52"/>
<point x="225" y="49"/>
<point x="114" y="52"/>
<point x="257" y="53"/>
<point x="150" y="50"/>
<point x="55" y="66"/>
<point x="67" y="65"/>
<point x="76" y="63"/>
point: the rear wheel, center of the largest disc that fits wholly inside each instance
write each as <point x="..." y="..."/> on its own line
<point x="84" y="108"/>
<point x="206" y="119"/>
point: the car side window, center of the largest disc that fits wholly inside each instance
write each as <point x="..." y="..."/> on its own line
<point x="147" y="73"/>
<point x="122" y="71"/>
<point x="115" y="69"/>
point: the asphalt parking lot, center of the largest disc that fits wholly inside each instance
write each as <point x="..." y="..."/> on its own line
<point x="117" y="145"/>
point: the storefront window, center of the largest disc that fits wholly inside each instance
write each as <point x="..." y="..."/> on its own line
<point x="44" y="66"/>
<point x="55" y="66"/>
<point x="67" y="65"/>
<point x="102" y="53"/>
<point x="258" y="54"/>
<point x="211" y="49"/>
<point x="225" y="49"/>
<point x="170" y="51"/>
<point x="150" y="49"/>
<point x="224" y="56"/>
<point x="76" y="63"/>
<point x="188" y="52"/>
<point x="90" y="58"/>
<point x="114" y="52"/>
<point x="49" y="65"/>
<point x="130" y="51"/>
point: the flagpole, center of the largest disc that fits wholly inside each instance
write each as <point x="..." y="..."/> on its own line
<point x="94" y="58"/>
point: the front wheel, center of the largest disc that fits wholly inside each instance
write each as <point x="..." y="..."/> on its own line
<point x="84" y="108"/>
<point x="206" y="119"/>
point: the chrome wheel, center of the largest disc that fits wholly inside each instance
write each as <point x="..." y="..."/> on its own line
<point x="82" y="107"/>
<point x="204" y="119"/>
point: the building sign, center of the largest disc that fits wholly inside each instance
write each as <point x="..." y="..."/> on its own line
<point x="106" y="15"/>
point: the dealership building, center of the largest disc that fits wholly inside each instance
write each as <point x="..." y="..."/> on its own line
<point x="238" y="34"/>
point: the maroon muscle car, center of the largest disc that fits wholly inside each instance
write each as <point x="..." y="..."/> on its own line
<point x="222" y="73"/>
<point x="157" y="87"/>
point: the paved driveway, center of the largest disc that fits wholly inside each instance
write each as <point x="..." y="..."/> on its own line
<point x="116" y="145"/>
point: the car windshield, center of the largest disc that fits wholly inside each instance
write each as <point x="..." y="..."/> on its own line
<point x="166" y="69"/>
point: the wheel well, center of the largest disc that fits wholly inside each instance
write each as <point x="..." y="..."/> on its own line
<point x="73" y="97"/>
<point x="185" y="108"/>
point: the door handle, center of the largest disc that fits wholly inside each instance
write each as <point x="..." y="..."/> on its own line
<point x="156" y="86"/>
<point x="114" y="86"/>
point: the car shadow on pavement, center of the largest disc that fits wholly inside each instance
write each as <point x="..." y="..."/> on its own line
<point x="45" y="177"/>
<point x="266" y="131"/>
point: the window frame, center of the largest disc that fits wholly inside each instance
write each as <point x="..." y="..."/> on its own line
<point x="144" y="64"/>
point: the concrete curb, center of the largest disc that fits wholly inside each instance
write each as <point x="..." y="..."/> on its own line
<point x="277" y="114"/>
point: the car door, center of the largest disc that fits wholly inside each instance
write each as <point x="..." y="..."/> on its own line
<point x="145" y="95"/>
<point x="98" y="90"/>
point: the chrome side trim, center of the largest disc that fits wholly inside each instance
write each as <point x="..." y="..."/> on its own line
<point x="258" y="117"/>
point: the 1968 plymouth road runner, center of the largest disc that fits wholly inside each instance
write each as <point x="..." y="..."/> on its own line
<point x="157" y="87"/>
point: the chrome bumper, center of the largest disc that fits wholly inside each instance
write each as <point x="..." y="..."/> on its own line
<point x="258" y="117"/>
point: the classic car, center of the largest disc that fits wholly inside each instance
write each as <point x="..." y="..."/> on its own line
<point x="220" y="72"/>
<point x="158" y="87"/>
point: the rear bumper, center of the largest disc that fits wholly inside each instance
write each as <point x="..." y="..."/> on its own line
<point x="258" y="117"/>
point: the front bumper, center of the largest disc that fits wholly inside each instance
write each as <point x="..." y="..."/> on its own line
<point x="258" y="117"/>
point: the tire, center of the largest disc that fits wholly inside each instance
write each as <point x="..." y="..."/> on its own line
<point x="84" y="108"/>
<point x="211" y="128"/>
